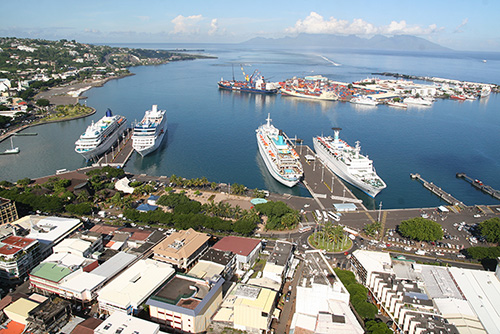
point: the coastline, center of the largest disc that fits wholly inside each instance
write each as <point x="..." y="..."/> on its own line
<point x="59" y="96"/>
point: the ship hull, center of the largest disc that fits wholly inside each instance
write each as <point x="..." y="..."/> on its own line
<point x="143" y="151"/>
<point x="105" y="144"/>
<point x="336" y="166"/>
<point x="247" y="89"/>
<point x="286" y="92"/>
<point x="272" y="169"/>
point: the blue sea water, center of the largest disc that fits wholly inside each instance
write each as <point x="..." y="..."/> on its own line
<point x="211" y="133"/>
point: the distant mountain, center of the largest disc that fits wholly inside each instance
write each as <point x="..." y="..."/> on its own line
<point x="378" y="42"/>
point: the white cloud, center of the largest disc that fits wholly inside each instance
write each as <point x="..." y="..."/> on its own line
<point x="186" y="25"/>
<point x="214" y="27"/>
<point x="316" y="24"/>
<point x="461" y="25"/>
<point x="92" y="31"/>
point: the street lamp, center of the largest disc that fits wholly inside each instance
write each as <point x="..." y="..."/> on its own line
<point x="299" y="141"/>
<point x="379" y="211"/>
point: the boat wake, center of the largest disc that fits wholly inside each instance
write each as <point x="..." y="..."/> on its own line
<point x="330" y="61"/>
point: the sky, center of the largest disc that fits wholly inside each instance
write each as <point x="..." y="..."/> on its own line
<point x="460" y="25"/>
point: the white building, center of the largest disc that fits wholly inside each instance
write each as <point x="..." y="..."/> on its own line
<point x="126" y="324"/>
<point x="49" y="231"/>
<point x="74" y="246"/>
<point x="322" y="304"/>
<point x="131" y="288"/>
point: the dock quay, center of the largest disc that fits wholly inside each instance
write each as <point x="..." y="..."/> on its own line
<point x="479" y="185"/>
<point x="25" y="134"/>
<point x="325" y="187"/>
<point x="448" y="198"/>
<point x="119" y="153"/>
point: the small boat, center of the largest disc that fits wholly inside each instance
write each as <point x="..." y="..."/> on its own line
<point x="417" y="101"/>
<point x="12" y="150"/>
<point x="397" y="104"/>
<point x="458" y="97"/>
<point x="364" y="100"/>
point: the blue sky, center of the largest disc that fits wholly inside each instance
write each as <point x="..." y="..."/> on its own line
<point x="461" y="25"/>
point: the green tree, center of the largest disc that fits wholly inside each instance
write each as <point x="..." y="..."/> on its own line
<point x="481" y="253"/>
<point x="42" y="102"/>
<point x="490" y="229"/>
<point x="24" y="182"/>
<point x="80" y="209"/>
<point x="421" y="229"/>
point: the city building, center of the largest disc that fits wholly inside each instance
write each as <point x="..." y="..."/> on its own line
<point x="248" y="308"/>
<point x="74" y="277"/>
<point x="67" y="275"/>
<point x="181" y="248"/>
<point x="322" y="303"/>
<point x="214" y="262"/>
<point x="74" y="246"/>
<point x="120" y="323"/>
<point x="19" y="310"/>
<point x="49" y="231"/>
<point x="18" y="255"/>
<point x="423" y="298"/>
<point x="49" y="316"/>
<point x="129" y="290"/>
<point x="279" y="261"/>
<point x="186" y="303"/>
<point x="246" y="249"/>
<point x="8" y="211"/>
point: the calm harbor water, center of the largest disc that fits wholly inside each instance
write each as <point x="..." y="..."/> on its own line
<point x="211" y="133"/>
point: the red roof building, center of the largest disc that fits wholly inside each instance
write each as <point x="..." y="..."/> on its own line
<point x="246" y="249"/>
<point x="19" y="255"/>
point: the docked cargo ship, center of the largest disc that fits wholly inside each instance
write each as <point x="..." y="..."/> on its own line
<point x="312" y="87"/>
<point x="252" y="84"/>
<point x="348" y="163"/>
<point x="307" y="94"/>
<point x="280" y="158"/>
<point x="100" y="136"/>
<point x="149" y="133"/>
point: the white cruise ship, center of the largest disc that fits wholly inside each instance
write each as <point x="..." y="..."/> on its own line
<point x="149" y="133"/>
<point x="348" y="163"/>
<point x="280" y="158"/>
<point x="100" y="136"/>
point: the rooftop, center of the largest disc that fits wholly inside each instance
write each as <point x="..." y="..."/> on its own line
<point x="48" y="229"/>
<point x="206" y="270"/>
<point x="20" y="242"/>
<point x="217" y="256"/>
<point x="136" y="283"/>
<point x="186" y="294"/>
<point x="114" y="265"/>
<point x="237" y="245"/>
<point x="182" y="291"/>
<point x="126" y="324"/>
<point x="281" y="253"/>
<point x="50" y="271"/>
<point x="181" y="244"/>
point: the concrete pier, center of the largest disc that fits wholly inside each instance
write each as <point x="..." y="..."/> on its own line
<point x="479" y="185"/>
<point x="448" y="198"/>
<point x="119" y="153"/>
<point x="325" y="187"/>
